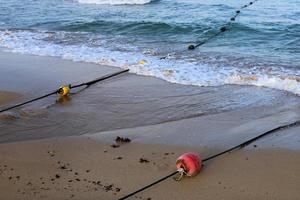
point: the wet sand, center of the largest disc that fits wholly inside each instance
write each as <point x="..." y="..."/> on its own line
<point x="126" y="101"/>
<point x="8" y="97"/>
<point x="162" y="119"/>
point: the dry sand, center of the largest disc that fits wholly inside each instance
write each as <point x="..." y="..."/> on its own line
<point x="83" y="168"/>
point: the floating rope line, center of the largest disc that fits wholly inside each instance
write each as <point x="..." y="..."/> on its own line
<point x="223" y="28"/>
<point x="65" y="89"/>
<point x="240" y="146"/>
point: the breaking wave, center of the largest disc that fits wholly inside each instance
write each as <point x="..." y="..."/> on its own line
<point x="199" y="71"/>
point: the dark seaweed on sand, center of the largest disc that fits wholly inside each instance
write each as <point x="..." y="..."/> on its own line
<point x="143" y="160"/>
<point x="122" y="140"/>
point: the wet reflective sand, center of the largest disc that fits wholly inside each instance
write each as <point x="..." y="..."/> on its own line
<point x="125" y="101"/>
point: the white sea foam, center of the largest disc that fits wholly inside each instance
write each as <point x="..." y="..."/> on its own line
<point x="290" y="84"/>
<point x="116" y="2"/>
<point x="172" y="70"/>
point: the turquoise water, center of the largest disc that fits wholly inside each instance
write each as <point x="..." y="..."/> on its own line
<point x="262" y="47"/>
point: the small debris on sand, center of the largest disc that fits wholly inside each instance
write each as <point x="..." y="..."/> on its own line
<point x="108" y="187"/>
<point x="51" y="153"/>
<point x="115" y="146"/>
<point x="57" y="176"/>
<point x="143" y="160"/>
<point x="122" y="140"/>
<point x="62" y="167"/>
<point x="98" y="183"/>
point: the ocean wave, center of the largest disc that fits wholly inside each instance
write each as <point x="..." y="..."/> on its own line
<point x="128" y="27"/>
<point x="199" y="71"/>
<point x="116" y="2"/>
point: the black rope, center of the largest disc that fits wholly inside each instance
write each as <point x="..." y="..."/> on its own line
<point x="242" y="145"/>
<point x="148" y="186"/>
<point x="27" y="102"/>
<point x="71" y="87"/>
<point x="222" y="29"/>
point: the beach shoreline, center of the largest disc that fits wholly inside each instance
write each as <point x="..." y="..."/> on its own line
<point x="54" y="149"/>
<point x="219" y="79"/>
<point x="125" y="101"/>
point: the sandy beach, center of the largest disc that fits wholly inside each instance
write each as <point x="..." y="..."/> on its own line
<point x="82" y="168"/>
<point x="55" y="149"/>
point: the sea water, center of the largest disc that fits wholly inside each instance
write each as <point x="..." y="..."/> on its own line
<point x="261" y="47"/>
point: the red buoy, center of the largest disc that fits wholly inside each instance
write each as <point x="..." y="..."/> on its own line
<point x="188" y="164"/>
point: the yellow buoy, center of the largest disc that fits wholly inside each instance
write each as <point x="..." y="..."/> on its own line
<point x="64" y="91"/>
<point x="142" y="62"/>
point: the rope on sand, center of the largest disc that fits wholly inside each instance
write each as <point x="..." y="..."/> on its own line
<point x="240" y="146"/>
<point x="64" y="90"/>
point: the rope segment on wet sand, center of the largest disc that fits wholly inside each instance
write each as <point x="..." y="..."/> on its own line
<point x="65" y="90"/>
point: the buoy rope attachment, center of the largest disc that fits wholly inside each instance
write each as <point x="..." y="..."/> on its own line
<point x="180" y="172"/>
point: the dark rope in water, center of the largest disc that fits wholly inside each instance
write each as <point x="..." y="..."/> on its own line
<point x="223" y="28"/>
<point x="89" y="83"/>
<point x="240" y="146"/>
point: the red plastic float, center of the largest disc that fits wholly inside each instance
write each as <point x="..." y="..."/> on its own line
<point x="188" y="164"/>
